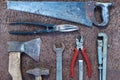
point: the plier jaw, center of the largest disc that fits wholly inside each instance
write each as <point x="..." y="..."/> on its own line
<point x="79" y="43"/>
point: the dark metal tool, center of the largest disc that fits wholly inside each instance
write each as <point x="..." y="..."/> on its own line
<point x="38" y="72"/>
<point x="31" y="48"/>
<point x="48" y="28"/>
<point x="79" y="12"/>
<point x="102" y="55"/>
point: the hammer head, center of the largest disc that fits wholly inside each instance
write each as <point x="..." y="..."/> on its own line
<point x="31" y="48"/>
<point x="38" y="72"/>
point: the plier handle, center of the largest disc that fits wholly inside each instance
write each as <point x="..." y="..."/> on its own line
<point x="85" y="56"/>
<point x="48" y="28"/>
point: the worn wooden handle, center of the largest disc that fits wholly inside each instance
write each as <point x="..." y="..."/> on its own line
<point x="14" y="65"/>
<point x="38" y="78"/>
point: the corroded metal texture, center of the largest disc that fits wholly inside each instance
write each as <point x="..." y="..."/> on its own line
<point x="47" y="57"/>
<point x="31" y="48"/>
<point x="70" y="11"/>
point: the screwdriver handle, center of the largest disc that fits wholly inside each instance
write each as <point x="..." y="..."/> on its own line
<point x="73" y="62"/>
<point x="87" y="61"/>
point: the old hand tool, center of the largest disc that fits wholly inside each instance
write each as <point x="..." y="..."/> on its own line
<point x="31" y="48"/>
<point x="59" y="52"/>
<point x="79" y="45"/>
<point x="48" y="28"/>
<point x="81" y="70"/>
<point x="102" y="55"/>
<point x="38" y="72"/>
<point x="79" y="12"/>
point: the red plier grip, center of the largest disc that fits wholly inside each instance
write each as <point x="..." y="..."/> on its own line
<point x="87" y="61"/>
<point x="73" y="62"/>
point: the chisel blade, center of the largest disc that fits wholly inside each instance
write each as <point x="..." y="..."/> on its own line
<point x="79" y="12"/>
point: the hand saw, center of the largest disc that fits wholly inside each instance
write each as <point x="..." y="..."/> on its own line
<point x="79" y="12"/>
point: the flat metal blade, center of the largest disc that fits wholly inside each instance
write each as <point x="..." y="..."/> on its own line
<point x="70" y="11"/>
<point x="31" y="48"/>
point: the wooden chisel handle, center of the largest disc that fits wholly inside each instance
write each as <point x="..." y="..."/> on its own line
<point x="14" y="65"/>
<point x="38" y="78"/>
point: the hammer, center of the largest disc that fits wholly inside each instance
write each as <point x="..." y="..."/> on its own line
<point x="37" y="72"/>
<point x="31" y="48"/>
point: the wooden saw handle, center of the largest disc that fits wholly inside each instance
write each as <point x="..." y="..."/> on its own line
<point x="14" y="65"/>
<point x="38" y="78"/>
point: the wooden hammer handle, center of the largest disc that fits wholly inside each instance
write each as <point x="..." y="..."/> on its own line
<point x="38" y="78"/>
<point x="14" y="65"/>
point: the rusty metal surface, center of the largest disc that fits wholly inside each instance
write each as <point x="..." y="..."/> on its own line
<point x="47" y="57"/>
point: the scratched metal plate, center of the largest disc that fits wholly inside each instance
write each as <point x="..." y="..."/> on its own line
<point x="47" y="57"/>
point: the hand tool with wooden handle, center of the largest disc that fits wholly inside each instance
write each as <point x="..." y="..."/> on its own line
<point x="31" y="48"/>
<point x="38" y="72"/>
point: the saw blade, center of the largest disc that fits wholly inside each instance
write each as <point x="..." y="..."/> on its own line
<point x="70" y="11"/>
<point x="79" y="12"/>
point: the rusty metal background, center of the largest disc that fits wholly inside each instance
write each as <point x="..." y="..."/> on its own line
<point x="47" y="57"/>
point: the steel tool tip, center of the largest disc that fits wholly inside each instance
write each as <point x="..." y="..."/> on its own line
<point x="81" y="39"/>
<point x="66" y="28"/>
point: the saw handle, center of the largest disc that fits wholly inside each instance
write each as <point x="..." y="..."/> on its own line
<point x="14" y="65"/>
<point x="87" y="61"/>
<point x="105" y="13"/>
<point x="75" y="55"/>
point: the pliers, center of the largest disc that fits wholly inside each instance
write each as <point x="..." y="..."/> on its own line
<point x="79" y="46"/>
<point x="48" y="28"/>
